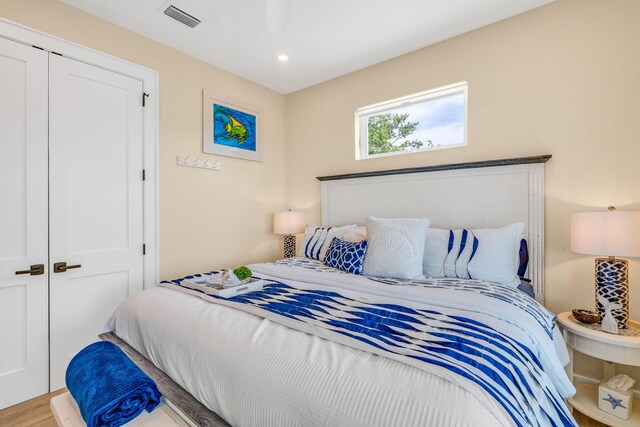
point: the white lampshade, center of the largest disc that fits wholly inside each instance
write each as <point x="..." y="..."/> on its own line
<point x="288" y="222"/>
<point x="610" y="233"/>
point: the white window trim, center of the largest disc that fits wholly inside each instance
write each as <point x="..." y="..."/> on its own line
<point x="362" y="115"/>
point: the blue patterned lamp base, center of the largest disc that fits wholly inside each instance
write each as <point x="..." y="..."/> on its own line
<point x="612" y="283"/>
<point x="289" y="246"/>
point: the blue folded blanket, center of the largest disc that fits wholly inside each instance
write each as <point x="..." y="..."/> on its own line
<point x="108" y="387"/>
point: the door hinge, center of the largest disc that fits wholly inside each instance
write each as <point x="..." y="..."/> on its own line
<point x="144" y="249"/>
<point x="145" y="95"/>
<point x="144" y="175"/>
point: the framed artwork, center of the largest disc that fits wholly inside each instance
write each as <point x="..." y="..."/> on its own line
<point x="230" y="127"/>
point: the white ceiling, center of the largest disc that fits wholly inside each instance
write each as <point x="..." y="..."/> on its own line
<point x="324" y="39"/>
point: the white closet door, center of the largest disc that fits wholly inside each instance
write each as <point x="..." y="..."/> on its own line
<point x="24" y="345"/>
<point x="95" y="196"/>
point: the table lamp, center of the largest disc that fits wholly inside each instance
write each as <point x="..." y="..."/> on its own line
<point x="289" y="223"/>
<point x="612" y="233"/>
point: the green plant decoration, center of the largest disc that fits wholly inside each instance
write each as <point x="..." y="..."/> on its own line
<point x="242" y="272"/>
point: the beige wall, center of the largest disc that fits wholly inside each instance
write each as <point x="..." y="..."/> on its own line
<point x="563" y="79"/>
<point x="207" y="219"/>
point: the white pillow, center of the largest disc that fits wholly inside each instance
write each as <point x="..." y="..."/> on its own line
<point x="436" y="249"/>
<point x="497" y="257"/>
<point x="317" y="239"/>
<point x="395" y="247"/>
<point x="355" y="235"/>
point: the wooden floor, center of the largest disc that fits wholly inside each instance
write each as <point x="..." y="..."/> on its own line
<point x="37" y="413"/>
<point x="32" y="413"/>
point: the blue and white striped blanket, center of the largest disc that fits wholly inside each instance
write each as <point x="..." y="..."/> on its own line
<point x="512" y="296"/>
<point x="501" y="361"/>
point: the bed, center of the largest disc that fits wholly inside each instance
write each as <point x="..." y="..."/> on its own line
<point x="320" y="347"/>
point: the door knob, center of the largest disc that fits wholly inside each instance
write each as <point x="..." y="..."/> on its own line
<point x="36" y="270"/>
<point x="61" y="267"/>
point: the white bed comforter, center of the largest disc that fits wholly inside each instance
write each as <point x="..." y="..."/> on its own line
<point x="254" y="372"/>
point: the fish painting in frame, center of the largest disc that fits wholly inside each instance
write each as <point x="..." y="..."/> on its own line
<point x="231" y="127"/>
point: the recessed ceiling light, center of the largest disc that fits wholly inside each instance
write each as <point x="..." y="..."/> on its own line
<point x="282" y="57"/>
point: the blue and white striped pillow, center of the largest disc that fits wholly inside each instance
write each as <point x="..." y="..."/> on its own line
<point x="317" y="239"/>
<point x="484" y="254"/>
<point x="461" y="248"/>
<point x="346" y="256"/>
<point x="448" y="252"/>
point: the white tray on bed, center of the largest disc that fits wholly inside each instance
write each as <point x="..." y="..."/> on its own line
<point x="211" y="285"/>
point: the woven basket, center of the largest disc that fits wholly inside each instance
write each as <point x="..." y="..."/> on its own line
<point x="585" y="316"/>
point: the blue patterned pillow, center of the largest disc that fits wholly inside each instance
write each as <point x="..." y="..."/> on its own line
<point x="346" y="256"/>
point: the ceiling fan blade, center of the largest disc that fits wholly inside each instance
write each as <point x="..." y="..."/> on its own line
<point x="278" y="14"/>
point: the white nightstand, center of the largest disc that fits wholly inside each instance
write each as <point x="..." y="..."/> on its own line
<point x="611" y="349"/>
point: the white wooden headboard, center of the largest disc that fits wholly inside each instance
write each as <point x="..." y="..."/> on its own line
<point x="466" y="195"/>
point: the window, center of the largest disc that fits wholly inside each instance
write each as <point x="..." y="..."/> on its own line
<point x="425" y="121"/>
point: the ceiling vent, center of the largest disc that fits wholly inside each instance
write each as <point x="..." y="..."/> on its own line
<point x="181" y="16"/>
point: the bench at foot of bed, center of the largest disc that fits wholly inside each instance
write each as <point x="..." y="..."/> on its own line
<point x="67" y="414"/>
<point x="189" y="409"/>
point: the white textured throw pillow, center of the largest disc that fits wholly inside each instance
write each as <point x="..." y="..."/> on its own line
<point x="317" y="239"/>
<point x="497" y="257"/>
<point x="396" y="247"/>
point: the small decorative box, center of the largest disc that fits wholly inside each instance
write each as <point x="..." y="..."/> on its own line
<point x="615" y="402"/>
